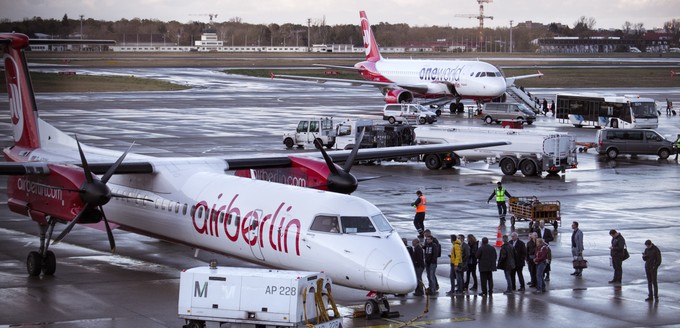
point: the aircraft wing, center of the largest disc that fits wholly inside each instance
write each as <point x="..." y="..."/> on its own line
<point x="511" y="80"/>
<point x="363" y="154"/>
<point x="42" y="168"/>
<point x="330" y="79"/>
<point x="344" y="68"/>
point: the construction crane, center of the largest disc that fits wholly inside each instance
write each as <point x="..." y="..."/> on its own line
<point x="209" y="15"/>
<point x="481" y="18"/>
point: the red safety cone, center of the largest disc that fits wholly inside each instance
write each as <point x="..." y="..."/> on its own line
<point x="499" y="238"/>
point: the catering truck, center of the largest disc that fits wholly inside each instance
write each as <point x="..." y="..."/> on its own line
<point x="531" y="152"/>
<point x="211" y="296"/>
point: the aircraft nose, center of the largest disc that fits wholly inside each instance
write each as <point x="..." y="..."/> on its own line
<point x="499" y="87"/>
<point x="401" y="279"/>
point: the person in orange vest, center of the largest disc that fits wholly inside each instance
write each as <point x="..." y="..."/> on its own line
<point x="419" y="219"/>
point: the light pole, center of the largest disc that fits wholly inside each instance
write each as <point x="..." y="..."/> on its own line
<point x="81" y="26"/>
<point x="511" y="36"/>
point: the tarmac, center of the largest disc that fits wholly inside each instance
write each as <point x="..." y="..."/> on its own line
<point x="234" y="116"/>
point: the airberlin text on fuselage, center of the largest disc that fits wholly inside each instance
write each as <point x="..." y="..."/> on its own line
<point x="39" y="189"/>
<point x="440" y="74"/>
<point x="249" y="226"/>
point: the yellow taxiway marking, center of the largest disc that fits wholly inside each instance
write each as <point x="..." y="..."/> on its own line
<point x="423" y="323"/>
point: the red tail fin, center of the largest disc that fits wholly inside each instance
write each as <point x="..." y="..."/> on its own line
<point x="22" y="106"/>
<point x="370" y="46"/>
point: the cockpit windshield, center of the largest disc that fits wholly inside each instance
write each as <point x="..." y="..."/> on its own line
<point x="644" y="109"/>
<point x="350" y="224"/>
<point x="356" y="224"/>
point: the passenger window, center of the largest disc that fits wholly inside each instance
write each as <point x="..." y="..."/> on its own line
<point x="193" y="210"/>
<point x="184" y="209"/>
<point x="325" y="223"/>
<point x="221" y="217"/>
<point x="200" y="212"/>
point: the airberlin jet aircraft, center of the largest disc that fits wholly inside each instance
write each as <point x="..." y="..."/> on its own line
<point x="402" y="80"/>
<point x="193" y="201"/>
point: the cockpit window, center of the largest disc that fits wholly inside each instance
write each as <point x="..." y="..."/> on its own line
<point x="325" y="223"/>
<point x="492" y="74"/>
<point x="356" y="224"/>
<point x="381" y="222"/>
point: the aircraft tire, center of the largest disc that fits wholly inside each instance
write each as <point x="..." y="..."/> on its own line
<point x="372" y="309"/>
<point x="49" y="264"/>
<point x="34" y="264"/>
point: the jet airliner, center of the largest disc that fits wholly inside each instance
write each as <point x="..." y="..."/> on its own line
<point x="403" y="80"/>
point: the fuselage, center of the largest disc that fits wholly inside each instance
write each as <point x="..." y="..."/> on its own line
<point x="469" y="79"/>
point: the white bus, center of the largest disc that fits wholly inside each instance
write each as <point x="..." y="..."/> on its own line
<point x="600" y="111"/>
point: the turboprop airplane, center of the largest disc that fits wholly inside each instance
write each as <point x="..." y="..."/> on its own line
<point x="53" y="179"/>
<point x="402" y="80"/>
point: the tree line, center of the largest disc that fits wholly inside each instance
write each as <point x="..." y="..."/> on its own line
<point x="238" y="33"/>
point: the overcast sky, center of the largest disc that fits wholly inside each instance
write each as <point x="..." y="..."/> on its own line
<point x="607" y="13"/>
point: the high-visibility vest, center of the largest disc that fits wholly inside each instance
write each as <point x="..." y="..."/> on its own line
<point x="500" y="194"/>
<point x="677" y="143"/>
<point x="421" y="206"/>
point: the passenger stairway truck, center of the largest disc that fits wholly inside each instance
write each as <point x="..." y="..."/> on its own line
<point x="531" y="152"/>
<point x="250" y="297"/>
<point x="343" y="135"/>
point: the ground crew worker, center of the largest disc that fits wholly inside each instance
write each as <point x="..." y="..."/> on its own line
<point x="500" y="194"/>
<point x="677" y="147"/>
<point x="419" y="218"/>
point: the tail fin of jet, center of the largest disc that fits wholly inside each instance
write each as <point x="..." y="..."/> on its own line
<point x="23" y="110"/>
<point x="370" y="46"/>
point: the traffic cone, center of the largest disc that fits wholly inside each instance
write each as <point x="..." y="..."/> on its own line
<point x="499" y="238"/>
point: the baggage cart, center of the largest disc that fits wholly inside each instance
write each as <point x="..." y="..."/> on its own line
<point x="529" y="208"/>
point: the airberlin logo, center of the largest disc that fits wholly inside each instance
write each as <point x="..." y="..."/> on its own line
<point x="40" y="189"/>
<point x="280" y="176"/>
<point x="15" y="105"/>
<point x="440" y="73"/>
<point x="367" y="35"/>
<point x="241" y="225"/>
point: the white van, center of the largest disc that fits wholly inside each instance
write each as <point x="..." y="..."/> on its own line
<point x="409" y="113"/>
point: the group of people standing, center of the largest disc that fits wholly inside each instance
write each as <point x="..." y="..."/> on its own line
<point x="468" y="256"/>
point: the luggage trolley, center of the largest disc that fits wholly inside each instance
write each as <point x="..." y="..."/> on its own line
<point x="529" y="208"/>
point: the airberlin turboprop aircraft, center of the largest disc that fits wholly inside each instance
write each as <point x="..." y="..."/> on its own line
<point x="192" y="201"/>
<point x="402" y="80"/>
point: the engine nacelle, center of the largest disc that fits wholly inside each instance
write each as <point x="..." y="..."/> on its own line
<point x="304" y="172"/>
<point x="398" y="96"/>
<point x="50" y="194"/>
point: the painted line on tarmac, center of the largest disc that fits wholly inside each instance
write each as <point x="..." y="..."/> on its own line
<point x="422" y="323"/>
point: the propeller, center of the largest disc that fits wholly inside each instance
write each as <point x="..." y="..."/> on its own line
<point x="94" y="193"/>
<point x="341" y="180"/>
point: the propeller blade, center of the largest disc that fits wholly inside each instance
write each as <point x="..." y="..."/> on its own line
<point x="70" y="225"/>
<point x="329" y="161"/>
<point x="350" y="159"/>
<point x="113" y="168"/>
<point x="109" y="233"/>
<point x="131" y="197"/>
<point x="88" y="172"/>
<point x="372" y="178"/>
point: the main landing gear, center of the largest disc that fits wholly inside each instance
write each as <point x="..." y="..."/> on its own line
<point x="43" y="260"/>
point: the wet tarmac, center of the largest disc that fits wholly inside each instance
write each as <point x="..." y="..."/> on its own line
<point x="235" y="116"/>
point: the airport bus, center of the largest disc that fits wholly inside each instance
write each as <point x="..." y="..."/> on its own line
<point x="607" y="111"/>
